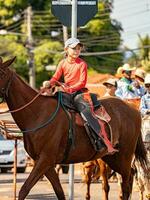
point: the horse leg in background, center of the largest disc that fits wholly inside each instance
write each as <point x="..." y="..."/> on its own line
<point x="58" y="168"/>
<point x="104" y="175"/>
<point x="119" y="181"/>
<point x="143" y="184"/>
<point x="88" y="168"/>
<point x="38" y="170"/>
<point x="140" y="185"/>
<point x="52" y="176"/>
<point x="88" y="182"/>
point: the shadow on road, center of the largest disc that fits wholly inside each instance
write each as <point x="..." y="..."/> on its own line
<point x="42" y="197"/>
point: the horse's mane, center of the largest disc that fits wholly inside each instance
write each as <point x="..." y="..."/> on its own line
<point x="24" y="83"/>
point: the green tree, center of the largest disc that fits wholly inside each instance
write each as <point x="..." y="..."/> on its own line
<point x="142" y="57"/>
<point x="9" y="47"/>
<point x="47" y="57"/>
<point x="144" y="45"/>
<point x="100" y="34"/>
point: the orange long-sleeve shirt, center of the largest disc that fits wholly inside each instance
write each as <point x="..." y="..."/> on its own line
<point x="75" y="75"/>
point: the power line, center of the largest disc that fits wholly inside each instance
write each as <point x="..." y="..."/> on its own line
<point x="113" y="52"/>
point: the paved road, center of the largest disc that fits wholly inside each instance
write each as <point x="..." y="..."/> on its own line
<point x="43" y="189"/>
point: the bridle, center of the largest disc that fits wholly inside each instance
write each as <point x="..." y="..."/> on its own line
<point x="4" y="94"/>
<point x="4" y="90"/>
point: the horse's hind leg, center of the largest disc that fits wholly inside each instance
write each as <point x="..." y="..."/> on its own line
<point x="126" y="186"/>
<point x="53" y="178"/>
<point x="38" y="170"/>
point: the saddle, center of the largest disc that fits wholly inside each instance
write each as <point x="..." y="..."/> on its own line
<point x="96" y="140"/>
<point x="67" y="101"/>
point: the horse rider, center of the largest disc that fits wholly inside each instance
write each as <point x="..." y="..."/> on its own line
<point x="145" y="100"/>
<point x="74" y="71"/>
<point x="125" y="86"/>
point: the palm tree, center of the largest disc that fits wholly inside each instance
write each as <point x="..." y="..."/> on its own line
<point x="144" y="45"/>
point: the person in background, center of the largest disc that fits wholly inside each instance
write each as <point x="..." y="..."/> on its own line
<point x="145" y="100"/>
<point x="74" y="70"/>
<point x="138" y="83"/>
<point x="111" y="86"/>
<point x="118" y="74"/>
<point x="125" y="88"/>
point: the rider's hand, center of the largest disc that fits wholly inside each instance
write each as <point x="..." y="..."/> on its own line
<point x="58" y="89"/>
<point x="46" y="84"/>
<point x="45" y="88"/>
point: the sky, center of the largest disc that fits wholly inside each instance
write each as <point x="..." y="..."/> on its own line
<point x="134" y="16"/>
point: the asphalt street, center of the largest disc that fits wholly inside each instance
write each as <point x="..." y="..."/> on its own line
<point x="43" y="189"/>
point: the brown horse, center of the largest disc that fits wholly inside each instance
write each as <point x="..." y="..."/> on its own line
<point x="93" y="170"/>
<point x="47" y="144"/>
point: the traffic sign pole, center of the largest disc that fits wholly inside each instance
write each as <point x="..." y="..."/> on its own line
<point x="74" y="35"/>
<point x="74" y="19"/>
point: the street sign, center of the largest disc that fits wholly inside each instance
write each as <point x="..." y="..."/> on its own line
<point x="86" y="9"/>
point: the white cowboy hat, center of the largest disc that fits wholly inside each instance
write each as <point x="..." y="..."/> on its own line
<point x="127" y="67"/>
<point x="110" y="81"/>
<point x="147" y="79"/>
<point x="140" y="73"/>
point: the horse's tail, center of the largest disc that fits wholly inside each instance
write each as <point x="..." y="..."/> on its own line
<point x="141" y="153"/>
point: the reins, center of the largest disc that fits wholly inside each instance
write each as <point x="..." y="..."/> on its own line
<point x="41" y="125"/>
<point x="22" y="107"/>
<point x="27" y="104"/>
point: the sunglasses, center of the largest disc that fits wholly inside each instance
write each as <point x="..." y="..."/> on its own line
<point x="128" y="72"/>
<point x="147" y="85"/>
<point x="109" y="85"/>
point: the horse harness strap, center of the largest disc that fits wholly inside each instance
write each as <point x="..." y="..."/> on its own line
<point x="71" y="139"/>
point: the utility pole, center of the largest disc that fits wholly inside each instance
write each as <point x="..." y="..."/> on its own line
<point x="65" y="33"/>
<point x="30" y="48"/>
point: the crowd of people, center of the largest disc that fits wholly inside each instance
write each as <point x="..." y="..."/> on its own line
<point x="131" y="84"/>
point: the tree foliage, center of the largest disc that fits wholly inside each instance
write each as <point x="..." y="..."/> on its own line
<point x="144" y="45"/>
<point x="142" y="57"/>
<point x="100" y="34"/>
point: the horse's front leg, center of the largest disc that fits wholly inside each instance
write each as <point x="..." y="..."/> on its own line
<point x="54" y="179"/>
<point x="38" y="170"/>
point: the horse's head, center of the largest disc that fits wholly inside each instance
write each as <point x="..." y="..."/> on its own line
<point x="5" y="75"/>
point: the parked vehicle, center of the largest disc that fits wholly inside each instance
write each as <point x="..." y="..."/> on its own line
<point x="7" y="155"/>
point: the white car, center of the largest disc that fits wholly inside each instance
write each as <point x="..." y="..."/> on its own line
<point x="7" y="155"/>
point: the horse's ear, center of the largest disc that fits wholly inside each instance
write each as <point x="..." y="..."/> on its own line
<point x="8" y="62"/>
